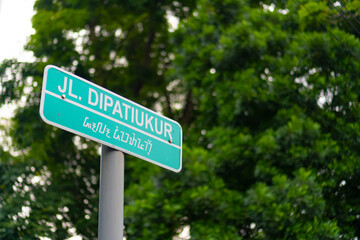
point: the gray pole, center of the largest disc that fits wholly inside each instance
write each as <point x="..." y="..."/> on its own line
<point x="111" y="206"/>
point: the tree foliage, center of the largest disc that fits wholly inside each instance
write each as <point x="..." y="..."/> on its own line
<point x="266" y="91"/>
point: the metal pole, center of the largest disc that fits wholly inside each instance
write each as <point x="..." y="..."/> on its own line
<point x="111" y="206"/>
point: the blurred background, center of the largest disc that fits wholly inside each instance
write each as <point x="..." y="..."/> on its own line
<point x="267" y="93"/>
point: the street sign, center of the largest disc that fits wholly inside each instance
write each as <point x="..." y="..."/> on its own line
<point x="86" y="109"/>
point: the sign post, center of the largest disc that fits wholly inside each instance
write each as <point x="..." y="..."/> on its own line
<point x="111" y="201"/>
<point x="120" y="125"/>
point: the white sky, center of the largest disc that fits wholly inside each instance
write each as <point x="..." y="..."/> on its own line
<point x="15" y="29"/>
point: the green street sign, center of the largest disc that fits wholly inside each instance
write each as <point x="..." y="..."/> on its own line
<point x="86" y="109"/>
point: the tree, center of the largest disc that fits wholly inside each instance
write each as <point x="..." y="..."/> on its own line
<point x="274" y="87"/>
<point x="267" y="96"/>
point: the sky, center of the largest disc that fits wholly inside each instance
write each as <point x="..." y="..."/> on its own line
<point x="15" y="30"/>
